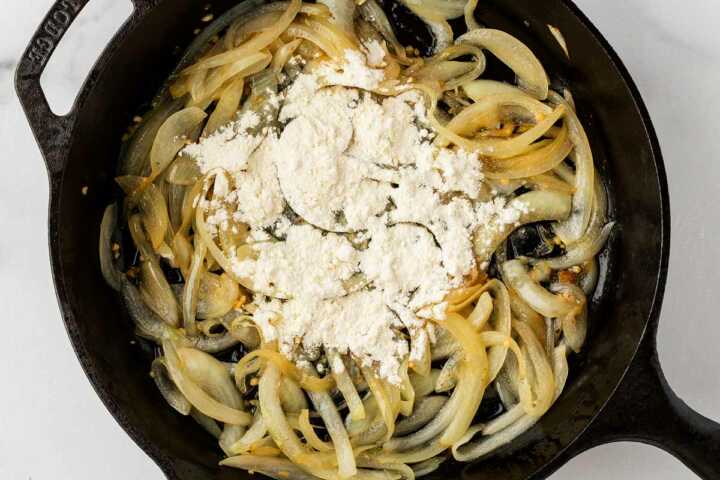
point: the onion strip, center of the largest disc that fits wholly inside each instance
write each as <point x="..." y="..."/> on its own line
<point x="516" y="55"/>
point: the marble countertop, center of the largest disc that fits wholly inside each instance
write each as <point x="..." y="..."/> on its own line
<point x="54" y="427"/>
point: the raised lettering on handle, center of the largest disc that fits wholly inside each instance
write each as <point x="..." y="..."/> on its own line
<point x="56" y="23"/>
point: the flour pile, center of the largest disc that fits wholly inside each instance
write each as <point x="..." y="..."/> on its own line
<point x="359" y="224"/>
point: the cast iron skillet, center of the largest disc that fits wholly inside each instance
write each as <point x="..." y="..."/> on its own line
<point x="617" y="390"/>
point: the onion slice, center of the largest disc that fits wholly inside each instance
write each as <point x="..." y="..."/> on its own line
<point x="108" y="264"/>
<point x="542" y="301"/>
<point x="516" y="55"/>
<point x="573" y="228"/>
<point x="196" y="396"/>
<point x="172" y="136"/>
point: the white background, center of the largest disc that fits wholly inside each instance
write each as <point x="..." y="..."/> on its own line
<point x="52" y="426"/>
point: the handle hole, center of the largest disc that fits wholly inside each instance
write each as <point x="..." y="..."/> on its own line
<point x="77" y="52"/>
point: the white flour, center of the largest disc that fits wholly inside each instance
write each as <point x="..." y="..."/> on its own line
<point x="386" y="217"/>
<point x="307" y="264"/>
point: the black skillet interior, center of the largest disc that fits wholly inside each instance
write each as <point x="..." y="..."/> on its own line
<point x="81" y="150"/>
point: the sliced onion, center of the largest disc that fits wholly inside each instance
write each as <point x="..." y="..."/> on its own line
<point x="155" y="216"/>
<point x="331" y="32"/>
<point x="237" y="33"/>
<point x="481" y="312"/>
<point x="182" y="253"/>
<point x="565" y="173"/>
<point x="320" y="41"/>
<point x="383" y="397"/>
<point x="243" y="67"/>
<point x="507" y="384"/>
<point x="284" y="54"/>
<point x="215" y="344"/>
<point x="207" y="423"/>
<point x="486" y="113"/>
<point x="343" y="12"/>
<point x="196" y="396"/>
<point x="325" y="406"/>
<point x="226" y="108"/>
<point x="172" y="136"/>
<point x="542" y="381"/>
<point x="135" y="160"/>
<point x="216" y="295"/>
<point x="478" y="89"/>
<point x="426" y="409"/>
<point x="447" y="9"/>
<point x="542" y="301"/>
<point x="148" y="324"/>
<point x="254" y="45"/>
<point x="157" y="294"/>
<point x="210" y="375"/>
<point x="389" y="470"/>
<point x="108" y="264"/>
<point x="183" y="171"/>
<point x="589" y="277"/>
<point x="230" y="435"/>
<point x="546" y="182"/>
<point x="192" y="285"/>
<point x="419" y="454"/>
<point x="444" y="71"/>
<point x="279" y="428"/>
<point x="256" y="432"/>
<point x="516" y="55"/>
<point x="458" y="77"/>
<point x="581" y="252"/>
<point x="175" y="196"/>
<point x="573" y="228"/>
<point x="308" y="431"/>
<point x="200" y="43"/>
<point x="473" y="377"/>
<point x="448" y="374"/>
<point x="436" y="20"/>
<point x="424" y="384"/>
<point x="308" y="382"/>
<point x="472" y="451"/>
<point x="346" y="385"/>
<point x="533" y="207"/>
<point x="574" y="324"/>
<point x="138" y="235"/>
<point x="592" y="241"/>
<point x="374" y="14"/>
<point x="524" y="313"/>
<point x="469" y="13"/>
<point x="533" y="163"/>
<point x="506" y="148"/>
<point x="500" y="322"/>
<point x="169" y="391"/>
<point x="503" y="421"/>
<point x="131" y="185"/>
<point x="431" y="464"/>
<point x="444" y="346"/>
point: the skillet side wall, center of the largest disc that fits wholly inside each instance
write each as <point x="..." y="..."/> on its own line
<point x="126" y="78"/>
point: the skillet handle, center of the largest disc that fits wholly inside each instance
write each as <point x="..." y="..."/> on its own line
<point x="645" y="409"/>
<point x="51" y="131"/>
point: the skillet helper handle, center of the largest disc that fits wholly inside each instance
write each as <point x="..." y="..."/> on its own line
<point x="51" y="131"/>
<point x="645" y="409"/>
